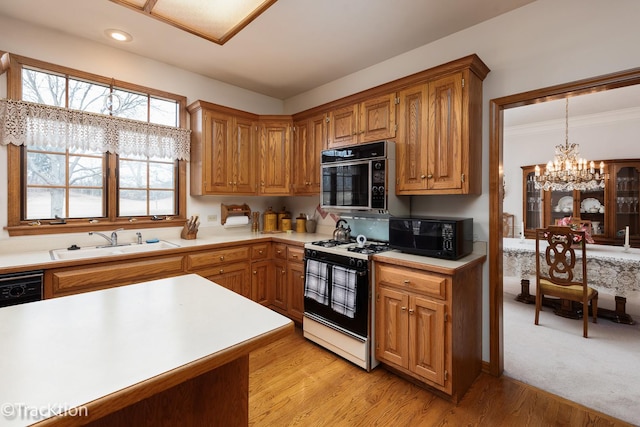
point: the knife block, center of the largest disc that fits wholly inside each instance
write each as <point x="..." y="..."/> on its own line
<point x="188" y="235"/>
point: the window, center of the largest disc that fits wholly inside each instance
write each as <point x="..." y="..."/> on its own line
<point x="72" y="172"/>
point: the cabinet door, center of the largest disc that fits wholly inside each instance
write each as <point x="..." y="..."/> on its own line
<point x="244" y="158"/>
<point x="392" y="333"/>
<point x="532" y="202"/>
<point x="232" y="276"/>
<point x="309" y="142"/>
<point x="625" y="185"/>
<point x="377" y="120"/>
<point x="218" y="158"/>
<point x="343" y="126"/>
<point x="275" y="158"/>
<point x="295" y="288"/>
<point x="280" y="285"/>
<point x="427" y="339"/>
<point x="261" y="277"/>
<point x="411" y="147"/>
<point x="445" y="155"/>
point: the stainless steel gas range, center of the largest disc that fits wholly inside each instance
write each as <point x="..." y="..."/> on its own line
<point x="338" y="301"/>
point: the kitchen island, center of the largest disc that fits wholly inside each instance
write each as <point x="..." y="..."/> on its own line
<point x="172" y="351"/>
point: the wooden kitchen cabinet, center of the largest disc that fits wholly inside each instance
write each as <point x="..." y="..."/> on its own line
<point x="228" y="267"/>
<point x="428" y="323"/>
<point x="373" y="119"/>
<point x="73" y="280"/>
<point x="310" y="139"/>
<point x="288" y="289"/>
<point x="274" y="147"/>
<point x="439" y="138"/>
<point x="295" y="283"/>
<point x="223" y="147"/>
<point x="261" y="273"/>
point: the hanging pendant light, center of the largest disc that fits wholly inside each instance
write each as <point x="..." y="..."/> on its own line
<point x="568" y="172"/>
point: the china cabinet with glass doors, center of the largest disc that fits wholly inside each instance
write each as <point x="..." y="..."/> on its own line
<point x="610" y="209"/>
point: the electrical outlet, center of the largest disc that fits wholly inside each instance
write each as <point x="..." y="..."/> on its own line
<point x="212" y="218"/>
<point x="475" y="237"/>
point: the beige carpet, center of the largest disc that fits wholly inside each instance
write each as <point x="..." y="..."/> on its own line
<point x="601" y="372"/>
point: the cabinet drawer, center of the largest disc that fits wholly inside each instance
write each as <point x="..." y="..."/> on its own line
<point x="259" y="252"/>
<point x="82" y="279"/>
<point x="217" y="257"/>
<point x="280" y="251"/>
<point x="414" y="280"/>
<point x="295" y="253"/>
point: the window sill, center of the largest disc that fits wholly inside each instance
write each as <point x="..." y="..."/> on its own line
<point x="84" y="226"/>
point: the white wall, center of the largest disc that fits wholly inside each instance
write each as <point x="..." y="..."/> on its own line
<point x="542" y="44"/>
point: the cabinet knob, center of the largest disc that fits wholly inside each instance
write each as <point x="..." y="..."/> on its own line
<point x="430" y="176"/>
<point x="255" y="272"/>
<point x="295" y="255"/>
<point x="221" y="271"/>
<point x="411" y="311"/>
<point x="222" y="258"/>
<point x="403" y="308"/>
<point x="260" y="251"/>
<point x="283" y="271"/>
<point x="278" y="251"/>
<point x="423" y="176"/>
<point x="406" y="281"/>
<point x="302" y="276"/>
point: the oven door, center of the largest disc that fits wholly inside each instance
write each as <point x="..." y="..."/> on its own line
<point x="358" y="324"/>
<point x="346" y="185"/>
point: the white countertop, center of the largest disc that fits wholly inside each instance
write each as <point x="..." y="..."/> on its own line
<point x="72" y="350"/>
<point x="11" y="257"/>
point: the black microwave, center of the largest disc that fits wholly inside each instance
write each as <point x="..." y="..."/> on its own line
<point x="448" y="238"/>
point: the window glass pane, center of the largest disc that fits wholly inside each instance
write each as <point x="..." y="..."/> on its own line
<point x="45" y="203"/>
<point x="163" y="112"/>
<point x="43" y="88"/>
<point x="133" y="202"/>
<point x="129" y="105"/>
<point x="85" y="171"/>
<point x="85" y="203"/>
<point x="133" y="174"/>
<point x="46" y="169"/>
<point x="87" y="96"/>
<point x="161" y="175"/>
<point x="161" y="203"/>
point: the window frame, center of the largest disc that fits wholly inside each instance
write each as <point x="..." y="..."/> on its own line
<point x="16" y="171"/>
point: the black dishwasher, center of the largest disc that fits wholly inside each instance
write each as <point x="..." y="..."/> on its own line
<point x="18" y="288"/>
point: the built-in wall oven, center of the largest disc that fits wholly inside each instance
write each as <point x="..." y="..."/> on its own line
<point x="338" y="301"/>
<point x="361" y="178"/>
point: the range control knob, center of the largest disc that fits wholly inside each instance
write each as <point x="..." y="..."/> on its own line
<point x="360" y="263"/>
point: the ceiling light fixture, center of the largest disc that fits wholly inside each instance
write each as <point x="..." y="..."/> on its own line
<point x="214" y="20"/>
<point x="118" y="35"/>
<point x="567" y="172"/>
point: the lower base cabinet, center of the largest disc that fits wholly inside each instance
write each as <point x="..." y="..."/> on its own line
<point x="428" y="324"/>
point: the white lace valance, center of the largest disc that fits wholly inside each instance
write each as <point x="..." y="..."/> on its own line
<point x="27" y="123"/>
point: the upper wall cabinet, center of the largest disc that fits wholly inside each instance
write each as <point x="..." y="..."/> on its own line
<point x="223" y="147"/>
<point x="439" y="138"/>
<point x="310" y="137"/>
<point x="274" y="160"/>
<point x="371" y="120"/>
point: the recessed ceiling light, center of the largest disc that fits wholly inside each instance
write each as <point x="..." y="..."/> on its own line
<point x="118" y="35"/>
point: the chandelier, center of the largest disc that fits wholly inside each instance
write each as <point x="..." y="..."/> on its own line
<point x="568" y="172"/>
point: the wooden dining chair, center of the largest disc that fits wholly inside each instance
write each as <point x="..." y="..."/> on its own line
<point x="556" y="274"/>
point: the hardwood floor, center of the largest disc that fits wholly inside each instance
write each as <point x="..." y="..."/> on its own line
<point x="294" y="382"/>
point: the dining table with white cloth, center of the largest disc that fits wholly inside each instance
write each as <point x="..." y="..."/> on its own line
<point x="610" y="270"/>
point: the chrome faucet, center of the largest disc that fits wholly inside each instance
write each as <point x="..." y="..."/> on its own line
<point x="113" y="240"/>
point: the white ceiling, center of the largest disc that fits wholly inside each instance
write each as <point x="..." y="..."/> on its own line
<point x="294" y="46"/>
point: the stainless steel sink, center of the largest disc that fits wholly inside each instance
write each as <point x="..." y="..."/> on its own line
<point x="100" y="251"/>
